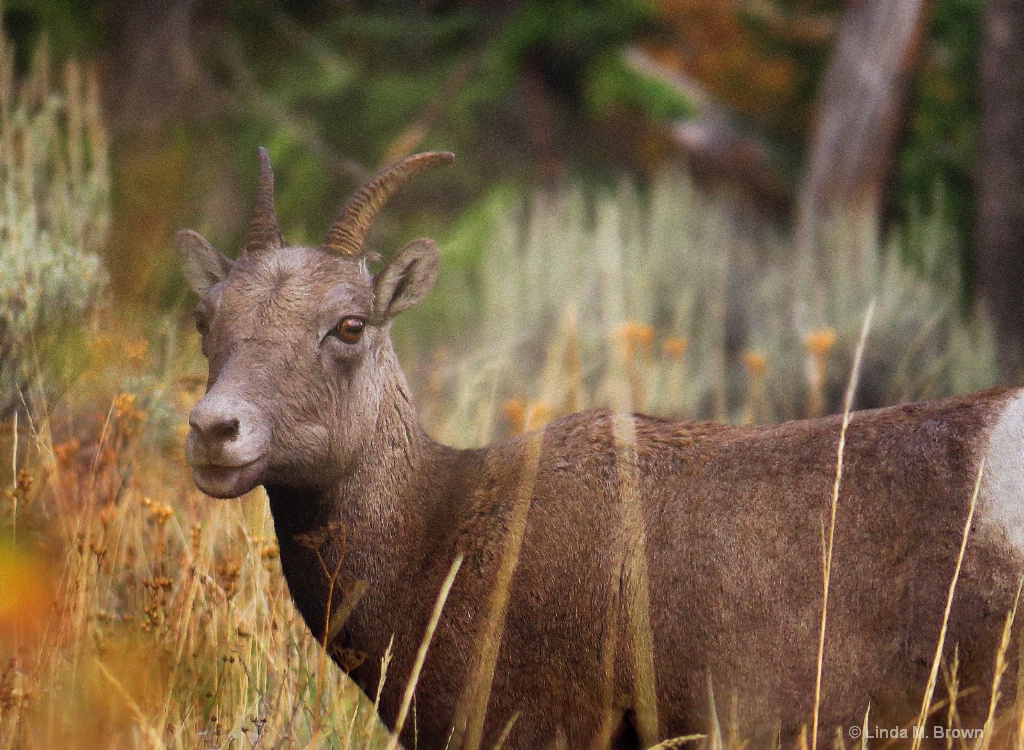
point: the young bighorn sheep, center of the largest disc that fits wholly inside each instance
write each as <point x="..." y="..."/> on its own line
<point x="616" y="567"/>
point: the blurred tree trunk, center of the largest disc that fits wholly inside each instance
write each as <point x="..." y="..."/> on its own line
<point x="158" y="74"/>
<point x="1000" y="229"/>
<point x="860" y="109"/>
<point x="155" y="80"/>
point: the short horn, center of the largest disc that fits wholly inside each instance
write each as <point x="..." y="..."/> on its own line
<point x="347" y="234"/>
<point x="263" y="230"/>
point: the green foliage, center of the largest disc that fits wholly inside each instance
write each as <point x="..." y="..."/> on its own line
<point x="73" y="27"/>
<point x="333" y="93"/>
<point x="55" y="212"/>
<point x="615" y="84"/>
<point x="935" y="168"/>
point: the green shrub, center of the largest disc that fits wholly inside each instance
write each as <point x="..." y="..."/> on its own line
<point x="54" y="216"/>
<point x="673" y="304"/>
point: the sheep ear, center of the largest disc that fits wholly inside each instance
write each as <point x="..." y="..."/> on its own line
<point x="202" y="265"/>
<point x="406" y="279"/>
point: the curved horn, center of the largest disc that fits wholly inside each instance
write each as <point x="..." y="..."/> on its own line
<point x="346" y="235"/>
<point x="263" y="230"/>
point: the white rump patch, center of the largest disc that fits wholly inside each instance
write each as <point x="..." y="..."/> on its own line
<point x="1004" y="472"/>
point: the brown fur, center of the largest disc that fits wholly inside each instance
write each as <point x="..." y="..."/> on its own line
<point x="705" y="538"/>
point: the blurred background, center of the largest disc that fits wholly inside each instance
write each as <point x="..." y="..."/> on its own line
<point x="894" y="107"/>
<point x="788" y="107"/>
<point x="827" y="153"/>
<point x="683" y="207"/>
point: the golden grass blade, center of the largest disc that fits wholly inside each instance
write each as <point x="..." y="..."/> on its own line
<point x="635" y="576"/>
<point x="953" y="689"/>
<point x="351" y="730"/>
<point x="344" y="610"/>
<point x="608" y="648"/>
<point x="677" y="742"/>
<point x="930" y="689"/>
<point x="839" y="743"/>
<point x="385" y="662"/>
<point x="1018" y="701"/>
<point x="715" y="738"/>
<point x="1019" y="744"/>
<point x="181" y="640"/>
<point x="322" y="657"/>
<point x="147" y="730"/>
<point x="104" y="432"/>
<point x="503" y="737"/>
<point x="851" y="389"/>
<point x="472" y="708"/>
<point x="421" y="655"/>
<point x="1001" y="665"/>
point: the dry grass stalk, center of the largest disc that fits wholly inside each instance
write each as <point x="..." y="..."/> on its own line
<point x="609" y="647"/>
<point x="314" y="543"/>
<point x="933" y="676"/>
<point x="677" y="742"/>
<point x="421" y="654"/>
<point x="336" y="621"/>
<point x="385" y="662"/>
<point x="472" y="708"/>
<point x="851" y="388"/>
<point x="148" y="732"/>
<point x="757" y="367"/>
<point x="633" y="567"/>
<point x="1018" y="701"/>
<point x="715" y="733"/>
<point x="952" y="678"/>
<point x="503" y="737"/>
<point x="1001" y="660"/>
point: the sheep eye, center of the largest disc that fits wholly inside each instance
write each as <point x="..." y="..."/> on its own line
<point x="202" y="324"/>
<point x="350" y="330"/>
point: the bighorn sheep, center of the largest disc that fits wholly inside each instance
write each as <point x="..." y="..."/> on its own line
<point x="615" y="566"/>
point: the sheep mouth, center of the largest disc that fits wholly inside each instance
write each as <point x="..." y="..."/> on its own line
<point x="229" y="480"/>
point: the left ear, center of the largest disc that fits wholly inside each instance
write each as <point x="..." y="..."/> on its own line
<point x="406" y="279"/>
<point x="201" y="264"/>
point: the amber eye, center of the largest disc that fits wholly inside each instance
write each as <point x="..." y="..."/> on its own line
<point x="351" y="329"/>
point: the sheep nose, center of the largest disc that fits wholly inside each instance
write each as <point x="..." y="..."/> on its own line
<point x="212" y="426"/>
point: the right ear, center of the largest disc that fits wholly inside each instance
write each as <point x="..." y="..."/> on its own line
<point x="406" y="279"/>
<point x="201" y="264"/>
